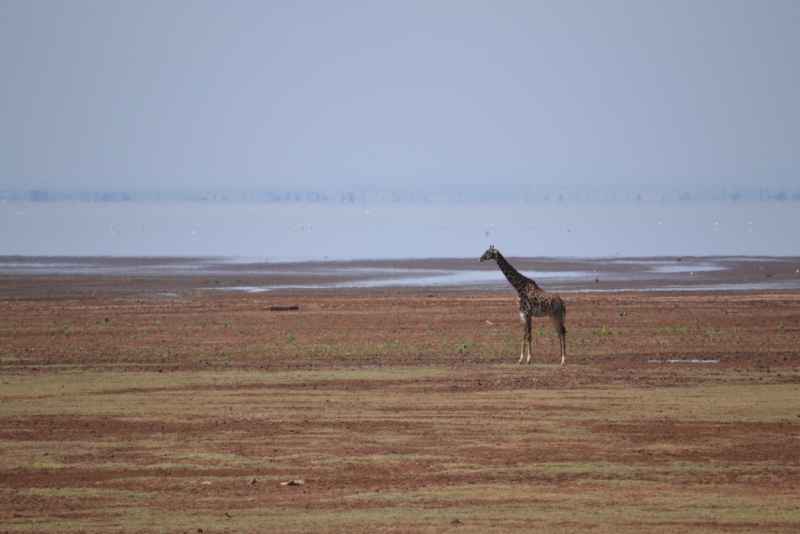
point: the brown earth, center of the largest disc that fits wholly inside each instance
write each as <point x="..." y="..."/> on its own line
<point x="436" y="382"/>
<point x="334" y="329"/>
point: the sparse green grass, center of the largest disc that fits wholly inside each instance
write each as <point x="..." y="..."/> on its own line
<point x="403" y="448"/>
<point x="400" y="417"/>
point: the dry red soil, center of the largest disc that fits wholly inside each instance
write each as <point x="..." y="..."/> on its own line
<point x="616" y="342"/>
<point x="334" y="329"/>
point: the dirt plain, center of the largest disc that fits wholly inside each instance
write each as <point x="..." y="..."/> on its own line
<point x="677" y="412"/>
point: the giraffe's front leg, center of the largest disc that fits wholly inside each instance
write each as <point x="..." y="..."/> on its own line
<point x="529" y="350"/>
<point x="525" y="337"/>
<point x="528" y="337"/>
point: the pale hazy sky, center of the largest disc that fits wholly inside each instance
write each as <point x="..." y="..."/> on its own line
<point x="266" y="94"/>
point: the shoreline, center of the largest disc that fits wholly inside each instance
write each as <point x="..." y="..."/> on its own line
<point x="32" y="276"/>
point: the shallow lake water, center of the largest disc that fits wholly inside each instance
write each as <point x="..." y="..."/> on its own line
<point x="303" y="232"/>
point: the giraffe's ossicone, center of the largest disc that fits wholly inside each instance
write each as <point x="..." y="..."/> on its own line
<point x="533" y="302"/>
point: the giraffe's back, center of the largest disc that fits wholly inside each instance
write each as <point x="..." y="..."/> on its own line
<point x="539" y="303"/>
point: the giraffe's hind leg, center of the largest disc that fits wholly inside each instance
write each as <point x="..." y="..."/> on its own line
<point x="558" y="323"/>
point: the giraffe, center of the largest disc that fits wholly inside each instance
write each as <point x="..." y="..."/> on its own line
<point x="533" y="302"/>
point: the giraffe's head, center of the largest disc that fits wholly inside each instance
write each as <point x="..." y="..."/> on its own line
<point x="490" y="254"/>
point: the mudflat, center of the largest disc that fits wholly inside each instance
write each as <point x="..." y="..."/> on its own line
<point x="349" y="410"/>
<point x="30" y="276"/>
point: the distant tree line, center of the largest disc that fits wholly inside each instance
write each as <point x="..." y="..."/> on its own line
<point x="423" y="195"/>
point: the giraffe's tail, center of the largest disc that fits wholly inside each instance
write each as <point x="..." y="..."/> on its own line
<point x="558" y="319"/>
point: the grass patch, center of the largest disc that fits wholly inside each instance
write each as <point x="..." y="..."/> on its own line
<point x="403" y="425"/>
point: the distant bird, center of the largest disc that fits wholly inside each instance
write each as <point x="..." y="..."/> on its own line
<point x="716" y="227"/>
<point x="444" y="228"/>
<point x="566" y="229"/>
<point x="193" y="235"/>
<point x="309" y="227"/>
<point x="301" y="229"/>
<point x="751" y="228"/>
<point x="142" y="227"/>
<point x="112" y="228"/>
<point x="660" y="226"/>
<point x="534" y="228"/>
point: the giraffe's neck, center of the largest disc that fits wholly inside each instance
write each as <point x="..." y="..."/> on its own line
<point x="514" y="277"/>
